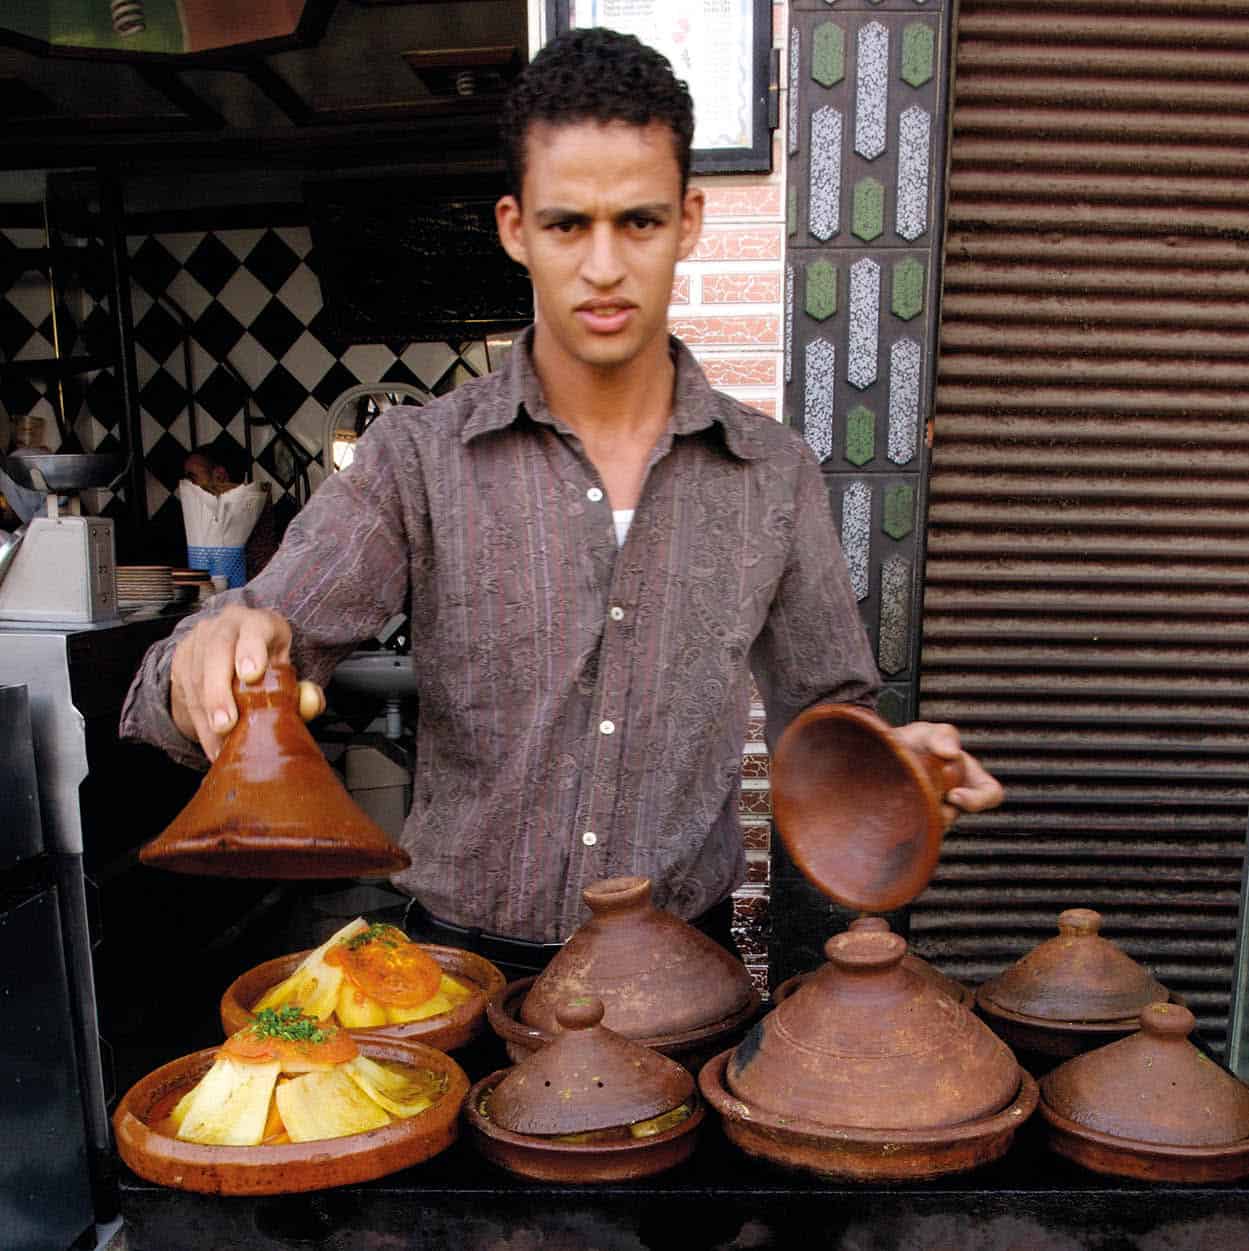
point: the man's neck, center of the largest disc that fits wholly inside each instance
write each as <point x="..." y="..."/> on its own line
<point x="633" y="399"/>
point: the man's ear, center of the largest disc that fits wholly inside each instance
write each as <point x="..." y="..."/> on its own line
<point x="691" y="220"/>
<point x="507" y="218"/>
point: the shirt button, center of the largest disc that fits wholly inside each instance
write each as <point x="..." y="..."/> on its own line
<point x="594" y="494"/>
<point x="616" y="613"/>
<point x="589" y="838"/>
<point x="607" y="727"/>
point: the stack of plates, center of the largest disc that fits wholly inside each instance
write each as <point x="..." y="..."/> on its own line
<point x="192" y="585"/>
<point x="144" y="586"/>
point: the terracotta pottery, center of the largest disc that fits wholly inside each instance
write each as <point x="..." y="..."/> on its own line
<point x="1070" y="993"/>
<point x="446" y="1031"/>
<point x="291" y="1167"/>
<point x="658" y="976"/>
<point x="858" y="812"/>
<point x="1150" y="1106"/>
<point x="270" y="806"/>
<point x="869" y="1070"/>
<point x="947" y="985"/>
<point x="587" y="1079"/>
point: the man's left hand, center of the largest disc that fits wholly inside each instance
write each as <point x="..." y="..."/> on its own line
<point x="979" y="789"/>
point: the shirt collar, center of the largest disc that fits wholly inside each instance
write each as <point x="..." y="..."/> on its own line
<point x="697" y="405"/>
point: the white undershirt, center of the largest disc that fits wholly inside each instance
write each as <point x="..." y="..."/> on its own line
<point x="621" y="518"/>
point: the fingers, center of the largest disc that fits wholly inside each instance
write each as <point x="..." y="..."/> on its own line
<point x="236" y="641"/>
<point x="975" y="790"/>
<point x="311" y="700"/>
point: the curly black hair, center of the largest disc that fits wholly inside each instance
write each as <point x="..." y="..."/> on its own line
<point x="599" y="75"/>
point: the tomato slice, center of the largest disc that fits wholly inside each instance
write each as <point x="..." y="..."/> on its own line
<point x="297" y="1055"/>
<point x="385" y="966"/>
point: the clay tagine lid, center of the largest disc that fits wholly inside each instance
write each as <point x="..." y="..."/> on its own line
<point x="859" y="813"/>
<point x="656" y="974"/>
<point x="588" y="1077"/>
<point x="1076" y="976"/>
<point x="956" y="990"/>
<point x="866" y="1043"/>
<point x="270" y="806"/>
<point x="1152" y="1087"/>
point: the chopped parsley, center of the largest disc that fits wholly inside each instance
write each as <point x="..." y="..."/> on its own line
<point x="376" y="933"/>
<point x="290" y="1024"/>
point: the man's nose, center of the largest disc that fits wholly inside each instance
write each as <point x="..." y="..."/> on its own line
<point x="603" y="262"/>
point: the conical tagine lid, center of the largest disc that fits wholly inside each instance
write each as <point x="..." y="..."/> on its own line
<point x="587" y="1077"/>
<point x="956" y="990"/>
<point x="1152" y="1087"/>
<point x="868" y="1044"/>
<point x="270" y="805"/>
<point x="656" y="974"/>
<point x="1077" y="976"/>
<point x="859" y="813"/>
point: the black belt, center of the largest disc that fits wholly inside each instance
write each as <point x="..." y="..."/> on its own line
<point x="499" y="948"/>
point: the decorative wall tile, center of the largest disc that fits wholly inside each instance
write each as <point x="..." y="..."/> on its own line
<point x="860" y="435"/>
<point x="727" y="331"/>
<point x="795" y="60"/>
<point x="904" y="384"/>
<point x="894" y="634"/>
<point x="864" y="322"/>
<point x="899" y="512"/>
<point x="680" y="290"/>
<point x="856" y="535"/>
<point x="789" y="323"/>
<point x="791" y="211"/>
<point x="919" y="45"/>
<point x="914" y="137"/>
<point x="820" y="376"/>
<point x="740" y="201"/>
<point x="908" y="289"/>
<point x="742" y="288"/>
<point x="727" y="243"/>
<point x="872" y="90"/>
<point x="821" y="302"/>
<point x="825" y="186"/>
<point x="868" y="214"/>
<point x="740" y="371"/>
<point x="828" y="54"/>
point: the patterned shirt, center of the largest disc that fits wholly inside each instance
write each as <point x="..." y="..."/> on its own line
<point x="582" y="706"/>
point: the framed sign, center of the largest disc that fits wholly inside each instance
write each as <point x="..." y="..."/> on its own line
<point x="721" y="48"/>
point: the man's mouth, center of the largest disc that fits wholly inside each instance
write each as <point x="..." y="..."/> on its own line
<point x="605" y="316"/>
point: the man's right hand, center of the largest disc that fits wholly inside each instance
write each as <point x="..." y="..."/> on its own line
<point x="236" y="641"/>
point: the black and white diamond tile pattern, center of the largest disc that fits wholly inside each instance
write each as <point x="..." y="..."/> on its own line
<point x="252" y="306"/>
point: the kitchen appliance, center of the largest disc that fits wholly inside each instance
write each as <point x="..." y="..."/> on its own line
<point x="45" y="1190"/>
<point x="64" y="570"/>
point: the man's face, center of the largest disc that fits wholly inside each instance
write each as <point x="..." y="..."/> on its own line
<point x="601" y="225"/>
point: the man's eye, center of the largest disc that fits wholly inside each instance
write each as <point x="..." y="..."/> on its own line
<point x="565" y="227"/>
<point x="644" y="223"/>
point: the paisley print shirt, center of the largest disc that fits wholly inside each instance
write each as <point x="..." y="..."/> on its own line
<point x="582" y="706"/>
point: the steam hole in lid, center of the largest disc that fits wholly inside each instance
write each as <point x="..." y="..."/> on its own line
<point x="546" y="1083"/>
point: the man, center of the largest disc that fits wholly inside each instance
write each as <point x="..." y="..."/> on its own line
<point x="595" y="549"/>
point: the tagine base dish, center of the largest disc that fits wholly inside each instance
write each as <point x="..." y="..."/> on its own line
<point x="1043" y="1037"/>
<point x="855" y="1154"/>
<point x="545" y="1160"/>
<point x="447" y="1031"/>
<point x="690" y="1048"/>
<point x="1146" y="1161"/>
<point x="291" y="1167"/>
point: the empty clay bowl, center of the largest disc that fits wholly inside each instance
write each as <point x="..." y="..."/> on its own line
<point x="858" y="812"/>
<point x="663" y="982"/>
<point x="270" y="806"/>
<point x="291" y="1167"/>
<point x="869" y="1071"/>
<point x="1071" y="993"/>
<point x="588" y="1080"/>
<point x="446" y="1031"/>
<point x="1150" y="1106"/>
<point x="947" y="985"/>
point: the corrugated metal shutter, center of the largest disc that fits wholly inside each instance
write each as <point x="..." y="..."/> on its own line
<point x="1086" y="615"/>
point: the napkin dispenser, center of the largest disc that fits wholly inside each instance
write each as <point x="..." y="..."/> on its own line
<point x="64" y="570"/>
